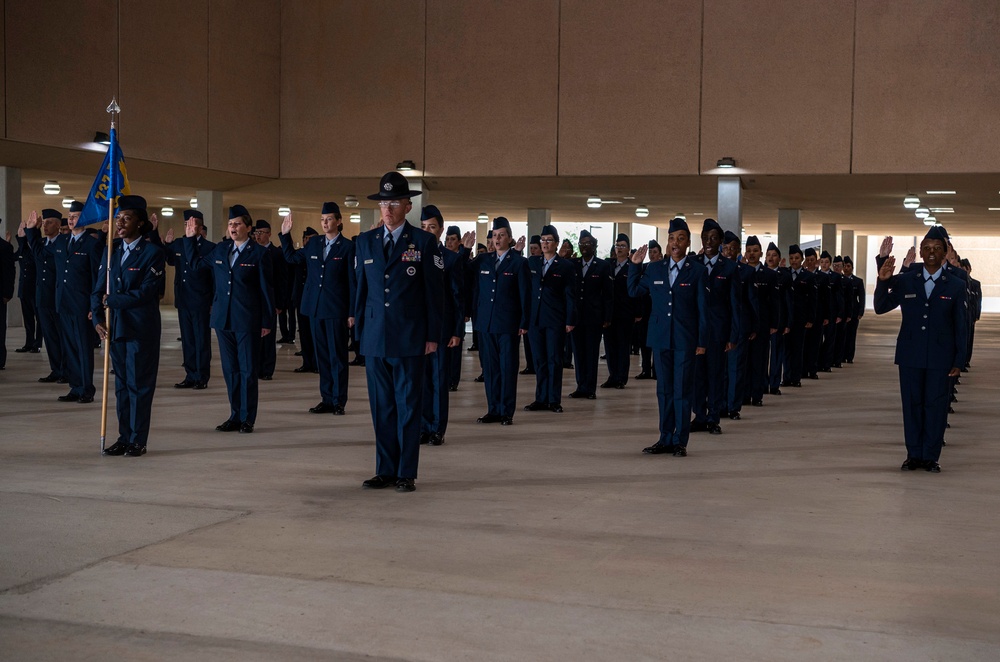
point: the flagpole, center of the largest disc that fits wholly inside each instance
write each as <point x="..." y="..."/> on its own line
<point x="113" y="109"/>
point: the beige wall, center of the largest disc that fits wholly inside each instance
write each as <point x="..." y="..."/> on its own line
<point x="331" y="88"/>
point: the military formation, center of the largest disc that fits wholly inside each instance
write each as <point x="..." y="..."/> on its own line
<point x="719" y="330"/>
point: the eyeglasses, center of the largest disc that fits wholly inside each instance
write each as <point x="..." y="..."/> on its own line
<point x="548" y="241"/>
<point x="391" y="203"/>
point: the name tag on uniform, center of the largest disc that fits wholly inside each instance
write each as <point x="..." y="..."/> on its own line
<point x="218" y="261"/>
<point x="909" y="296"/>
<point x="532" y="271"/>
<point x="485" y="273"/>
<point x="657" y="282"/>
<point x="313" y="257"/>
<point x="177" y="254"/>
<point x="369" y="261"/>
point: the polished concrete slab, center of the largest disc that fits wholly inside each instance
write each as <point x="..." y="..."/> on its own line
<point x="793" y="535"/>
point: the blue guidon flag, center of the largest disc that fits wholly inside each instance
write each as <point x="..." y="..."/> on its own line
<point x="111" y="182"/>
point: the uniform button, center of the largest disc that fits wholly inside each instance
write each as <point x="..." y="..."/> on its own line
<point x="925" y="316"/>
<point x="668" y="314"/>
<point x="387" y="289"/>
<point x="387" y="276"/>
<point x="387" y="304"/>
<point x="670" y="303"/>
<point x="923" y="328"/>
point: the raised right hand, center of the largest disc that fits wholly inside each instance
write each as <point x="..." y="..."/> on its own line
<point x="640" y="254"/>
<point x="886" y="248"/>
<point x="286" y="224"/>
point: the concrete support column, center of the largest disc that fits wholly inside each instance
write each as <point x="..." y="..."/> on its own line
<point x="847" y="242"/>
<point x="368" y="218"/>
<point x="419" y="202"/>
<point x="731" y="205"/>
<point x="830" y="238"/>
<point x="216" y="216"/>
<point x="789" y="229"/>
<point x="10" y="212"/>
<point x="861" y="259"/>
<point x="537" y="218"/>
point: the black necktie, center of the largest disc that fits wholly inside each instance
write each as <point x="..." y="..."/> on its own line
<point x="388" y="247"/>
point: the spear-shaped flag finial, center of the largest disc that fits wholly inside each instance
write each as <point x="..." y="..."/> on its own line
<point x="114" y="107"/>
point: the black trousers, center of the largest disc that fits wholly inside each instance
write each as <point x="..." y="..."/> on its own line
<point x="32" y="325"/>
<point x="306" y="339"/>
<point x="617" y="338"/>
<point x="286" y="323"/>
<point x="49" y="322"/>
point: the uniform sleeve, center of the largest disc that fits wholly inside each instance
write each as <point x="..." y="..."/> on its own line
<point x="571" y="296"/>
<point x="960" y="318"/>
<point x="6" y="270"/>
<point x="361" y="291"/>
<point x="456" y="291"/>
<point x="887" y="295"/>
<point x="192" y="256"/>
<point x="148" y="290"/>
<point x="352" y="281"/>
<point x="292" y="256"/>
<point x="637" y="285"/>
<point x="97" y="294"/>
<point x="702" y="298"/>
<point x="268" y="305"/>
<point x="524" y="291"/>
<point x="607" y="294"/>
<point x="433" y="268"/>
<point x="736" y="308"/>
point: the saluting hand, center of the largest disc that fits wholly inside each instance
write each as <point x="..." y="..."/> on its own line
<point x="911" y="255"/>
<point x="782" y="263"/>
<point x="699" y="351"/>
<point x="886" y="248"/>
<point x="169" y="237"/>
<point x="154" y="221"/>
<point x="32" y="221"/>
<point x="469" y="240"/>
<point x="885" y="273"/>
<point x="286" y="225"/>
<point x="20" y="229"/>
<point x="190" y="229"/>
<point x="519" y="246"/>
<point x="640" y="254"/>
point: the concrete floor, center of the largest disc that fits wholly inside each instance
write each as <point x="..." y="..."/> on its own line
<point x="791" y="536"/>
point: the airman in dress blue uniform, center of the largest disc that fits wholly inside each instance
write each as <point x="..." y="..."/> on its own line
<point x="328" y="301"/>
<point x="299" y="274"/>
<point x="128" y="317"/>
<point x="832" y="332"/>
<point x="282" y="292"/>
<point x="803" y="305"/>
<point x="764" y="292"/>
<point x="7" y="275"/>
<point x="857" y="306"/>
<point x="398" y="315"/>
<point x="723" y="332"/>
<point x="553" y="316"/>
<point x="678" y="331"/>
<point x="453" y="243"/>
<point x="931" y="347"/>
<point x="193" y="290"/>
<point x="242" y="311"/>
<point x="594" y="309"/>
<point x="26" y="293"/>
<point x="641" y="332"/>
<point x="78" y="257"/>
<point x="737" y="366"/>
<point x="813" y="344"/>
<point x="43" y="248"/>
<point x="776" y="356"/>
<point x="625" y="314"/>
<point x="503" y="315"/>
<point x="437" y="370"/>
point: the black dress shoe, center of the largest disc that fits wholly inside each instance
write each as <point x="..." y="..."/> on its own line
<point x="715" y="428"/>
<point x="680" y="451"/>
<point x="826" y="370"/>
<point x="303" y="368"/>
<point x="48" y="380"/>
<point x="838" y="365"/>
<point x="246" y="428"/>
<point x="567" y="366"/>
<point x="536" y="406"/>
<point x="378" y="482"/>
<point x="757" y="403"/>
<point x="507" y="420"/>
<point x="62" y="380"/>
<point x="812" y="375"/>
<point x="117" y="448"/>
<point x="285" y="341"/>
<point x="321" y="408"/>
<point x="951" y="410"/>
<point x="299" y="353"/>
<point x="200" y="386"/>
<point x="267" y="378"/>
<point x="360" y="361"/>
<point x="228" y="426"/>
<point x="35" y="350"/>
<point x="22" y="350"/>
<point x="775" y="391"/>
<point x="86" y="399"/>
<point x="69" y="397"/>
<point x="591" y="396"/>
<point x="659" y="448"/>
<point x="557" y="409"/>
<point x="489" y="418"/>
<point x="425" y="438"/>
<point x="135" y="450"/>
<point x="644" y="375"/>
<point x="619" y="386"/>
<point x="733" y="416"/>
<point x="797" y="384"/>
<point x="185" y="384"/>
<point x="699" y="426"/>
<point x="436" y="439"/>
<point x="338" y="410"/>
<point x="932" y="467"/>
<point x="609" y="384"/>
<point x="453" y="387"/>
<point x="480" y="379"/>
<point x="577" y="394"/>
<point x="473" y="348"/>
<point x="527" y="371"/>
<point x="911" y="464"/>
<point x="405" y="485"/>
<point x="954" y="399"/>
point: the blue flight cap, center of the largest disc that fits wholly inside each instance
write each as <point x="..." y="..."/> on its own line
<point x="309" y="232"/>
<point x="680" y="224"/>
<point x="537" y="239"/>
<point x="75" y="206"/>
<point x="848" y="260"/>
<point x="712" y="224"/>
<point x="937" y="233"/>
<point x="793" y="249"/>
<point x="623" y="237"/>
<point x="752" y="240"/>
<point x="655" y="244"/>
<point x="826" y="255"/>
<point x="729" y="237"/>
<point x="262" y="225"/>
<point x="549" y="229"/>
<point x="330" y="208"/>
<point x="193" y="213"/>
<point x="838" y="259"/>
<point x="238" y="210"/>
<point x="771" y="246"/>
<point x="454" y="230"/>
<point x="809" y="252"/>
<point x="429" y="212"/>
<point x="51" y="213"/>
<point x="584" y="234"/>
<point x="501" y="222"/>
<point x="135" y="203"/>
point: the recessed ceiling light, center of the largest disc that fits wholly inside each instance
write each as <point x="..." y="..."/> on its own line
<point x="405" y="166"/>
<point x="726" y="162"/>
<point x="942" y="210"/>
<point x="351" y="201"/>
<point x="940" y="192"/>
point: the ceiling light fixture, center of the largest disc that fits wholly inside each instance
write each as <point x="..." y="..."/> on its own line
<point x="942" y="210"/>
<point x="406" y="166"/>
<point x="921" y="212"/>
<point x="102" y="138"/>
<point x="284" y="210"/>
<point x="194" y="203"/>
<point x="726" y="162"/>
<point x="911" y="202"/>
<point x="167" y="211"/>
<point x="642" y="211"/>
<point x="355" y="218"/>
<point x="67" y="202"/>
<point x="681" y="216"/>
<point x="993" y="209"/>
<point x="594" y="202"/>
<point x="51" y="187"/>
<point x="940" y="192"/>
<point x="930" y="220"/>
<point x="351" y="201"/>
<point x="483" y="217"/>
